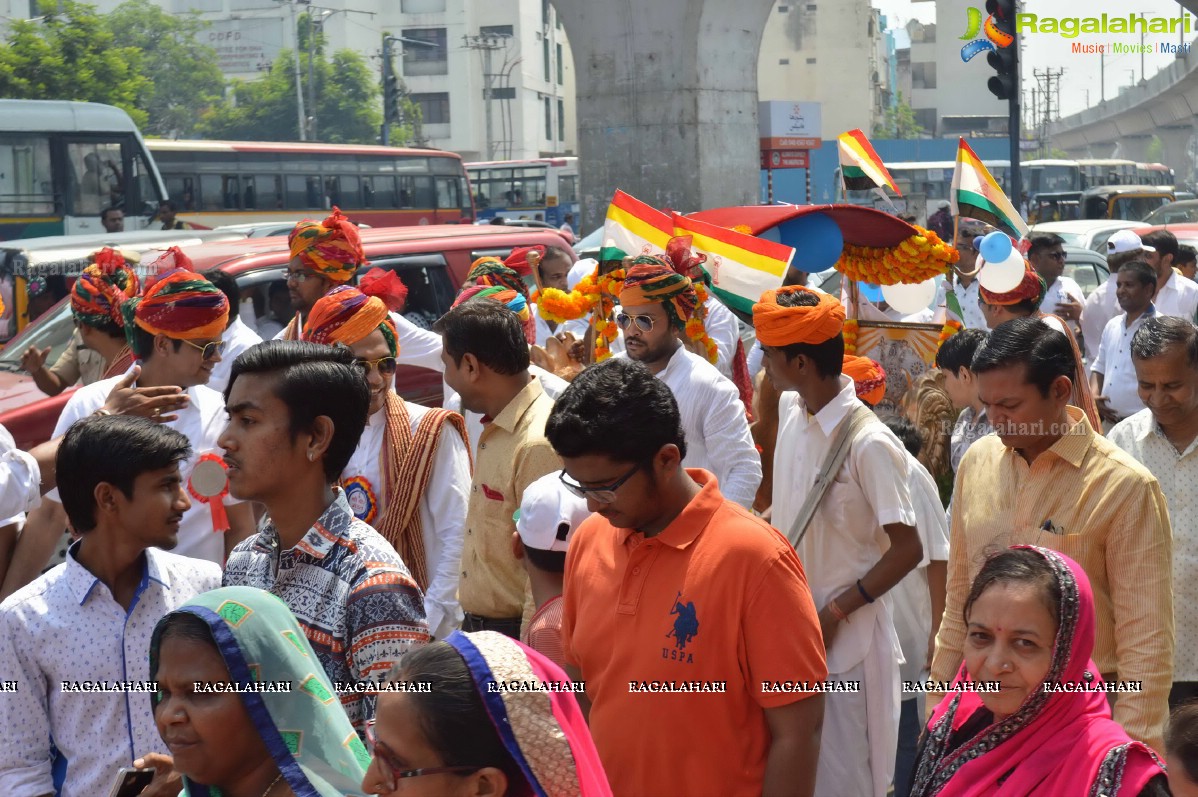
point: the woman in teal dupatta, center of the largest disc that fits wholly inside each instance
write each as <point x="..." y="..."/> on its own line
<point x="262" y="743"/>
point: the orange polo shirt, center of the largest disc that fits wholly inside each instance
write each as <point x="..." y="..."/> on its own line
<point x="717" y="599"/>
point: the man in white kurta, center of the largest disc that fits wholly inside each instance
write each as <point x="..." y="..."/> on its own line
<point x="860" y="542"/>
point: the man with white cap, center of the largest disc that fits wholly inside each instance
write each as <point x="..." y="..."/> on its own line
<point x="1101" y="305"/>
<point x="545" y="522"/>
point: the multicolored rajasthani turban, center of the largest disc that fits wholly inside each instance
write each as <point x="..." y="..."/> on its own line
<point x="780" y="326"/>
<point x="869" y="378"/>
<point x="518" y="259"/>
<point x="491" y="272"/>
<point x="166" y="262"/>
<point x="332" y="248"/>
<point x="653" y="280"/>
<point x="181" y="305"/>
<point x="346" y="315"/>
<point x="516" y="302"/>
<point x="97" y="295"/>
<point x="1031" y="288"/>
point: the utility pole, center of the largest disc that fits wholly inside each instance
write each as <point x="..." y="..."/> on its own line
<point x="311" y="73"/>
<point x="299" y="89"/>
<point x="1102" y="77"/>
<point x="487" y="44"/>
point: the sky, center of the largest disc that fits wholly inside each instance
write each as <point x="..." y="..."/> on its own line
<point x="1080" y="80"/>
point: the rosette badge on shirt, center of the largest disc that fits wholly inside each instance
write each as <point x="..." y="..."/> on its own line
<point x="209" y="484"/>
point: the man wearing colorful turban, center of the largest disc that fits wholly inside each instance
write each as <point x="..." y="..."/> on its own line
<point x="490" y="272"/>
<point x="549" y="267"/>
<point x="410" y="474"/>
<point x="869" y="378"/>
<point x="174" y="329"/>
<point x="96" y="299"/>
<point x="867" y="498"/>
<point x="323" y="255"/>
<point x="1023" y="301"/>
<point x="658" y="311"/>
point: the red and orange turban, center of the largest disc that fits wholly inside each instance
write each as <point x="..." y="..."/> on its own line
<point x="780" y="326"/>
<point x="1031" y="288"/>
<point x="181" y="305"/>
<point x="518" y="260"/>
<point x="97" y="295"/>
<point x="346" y="315"/>
<point x="653" y="280"/>
<point x="869" y="378"/>
<point x="387" y="286"/>
<point x="332" y="248"/>
<point x="166" y="262"/>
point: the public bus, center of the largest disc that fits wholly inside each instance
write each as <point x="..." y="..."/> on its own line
<point x="217" y="183"/>
<point x="541" y="189"/>
<point x="1050" y="176"/>
<point x="1153" y="174"/>
<point x="1108" y="171"/>
<point x="61" y="163"/>
<point x="925" y="186"/>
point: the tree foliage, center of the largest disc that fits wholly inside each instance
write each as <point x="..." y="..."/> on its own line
<point x="899" y="122"/>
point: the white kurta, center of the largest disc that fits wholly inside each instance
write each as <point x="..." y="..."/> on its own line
<point x="845" y="540"/>
<point x="717" y="430"/>
<point x="237" y="337"/>
<point x="442" y="510"/>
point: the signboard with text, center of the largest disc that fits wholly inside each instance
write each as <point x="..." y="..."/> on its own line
<point x="784" y="159"/>
<point x="783" y="125"/>
<point x="245" y="46"/>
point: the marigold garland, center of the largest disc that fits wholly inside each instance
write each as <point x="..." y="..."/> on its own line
<point x="920" y="257"/>
<point x="850" y="336"/>
<point x="950" y="328"/>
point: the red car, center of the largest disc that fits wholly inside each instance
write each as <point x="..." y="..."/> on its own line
<point x="432" y="260"/>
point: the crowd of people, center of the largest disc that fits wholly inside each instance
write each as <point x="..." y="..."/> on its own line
<point x="251" y="569"/>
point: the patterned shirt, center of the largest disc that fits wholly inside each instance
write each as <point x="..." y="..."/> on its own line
<point x="1177" y="471"/>
<point x="354" y="598"/>
<point x="970" y="427"/>
<point x="63" y="628"/>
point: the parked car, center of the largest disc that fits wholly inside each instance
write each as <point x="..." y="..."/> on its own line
<point x="1087" y="233"/>
<point x="432" y="260"/>
<point x="268" y="229"/>
<point x="1174" y="213"/>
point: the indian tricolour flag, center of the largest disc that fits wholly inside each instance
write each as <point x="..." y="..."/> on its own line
<point x="860" y="167"/>
<point x="742" y="267"/>
<point x="635" y="227"/>
<point x="977" y="195"/>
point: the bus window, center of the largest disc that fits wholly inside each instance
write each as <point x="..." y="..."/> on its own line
<point x="146" y="195"/>
<point x="231" y="191"/>
<point x="263" y="192"/>
<point x="567" y="188"/>
<point x="25" y="177"/>
<point x="314" y="193"/>
<point x="297" y="192"/>
<point x="350" y="191"/>
<point x="96" y="179"/>
<point x="448" y="196"/>
<point x="212" y="191"/>
<point x="425" y="195"/>
<point x="332" y="192"/>
<point x="379" y="192"/>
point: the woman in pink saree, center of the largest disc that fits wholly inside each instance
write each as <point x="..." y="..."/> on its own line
<point x="1026" y="739"/>
<point x="481" y="714"/>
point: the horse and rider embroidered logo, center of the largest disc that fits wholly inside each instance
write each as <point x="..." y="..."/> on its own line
<point x="684" y="630"/>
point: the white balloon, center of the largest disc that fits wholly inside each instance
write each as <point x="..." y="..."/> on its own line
<point x="908" y="299"/>
<point x="1003" y="276"/>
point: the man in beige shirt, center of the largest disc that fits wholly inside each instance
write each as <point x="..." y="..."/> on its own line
<point x="486" y="361"/>
<point x="1048" y="479"/>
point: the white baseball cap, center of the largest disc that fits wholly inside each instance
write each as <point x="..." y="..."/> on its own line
<point x="1125" y="241"/>
<point x="549" y="514"/>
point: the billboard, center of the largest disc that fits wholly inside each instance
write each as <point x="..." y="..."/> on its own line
<point x="782" y="125"/>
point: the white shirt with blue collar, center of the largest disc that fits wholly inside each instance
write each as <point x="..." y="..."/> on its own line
<point x="66" y="628"/>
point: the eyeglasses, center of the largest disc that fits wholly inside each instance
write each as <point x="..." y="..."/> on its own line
<point x="643" y="322"/>
<point x="397" y="772"/>
<point x="386" y="365"/>
<point x="209" y="350"/>
<point x="1055" y="255"/>
<point x="603" y="495"/>
<point x="298" y="277"/>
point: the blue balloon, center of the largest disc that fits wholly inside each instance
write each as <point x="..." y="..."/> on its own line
<point x="871" y="292"/>
<point x="996" y="247"/>
<point x="816" y="239"/>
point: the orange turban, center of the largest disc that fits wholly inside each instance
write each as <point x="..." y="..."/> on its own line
<point x="181" y="305"/>
<point x="346" y="315"/>
<point x="868" y="377"/>
<point x="332" y="248"/>
<point x="1031" y="288"/>
<point x="780" y="326"/>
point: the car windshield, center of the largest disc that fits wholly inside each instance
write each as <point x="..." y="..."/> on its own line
<point x="1173" y="213"/>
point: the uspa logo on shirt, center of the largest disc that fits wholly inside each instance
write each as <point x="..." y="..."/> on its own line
<point x="684" y="629"/>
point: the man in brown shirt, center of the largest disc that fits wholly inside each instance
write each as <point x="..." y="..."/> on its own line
<point x="486" y="361"/>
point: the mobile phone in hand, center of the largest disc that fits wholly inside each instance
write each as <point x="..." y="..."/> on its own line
<point x="131" y="782"/>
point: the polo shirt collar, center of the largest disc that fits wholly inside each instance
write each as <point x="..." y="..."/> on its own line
<point x="693" y="519"/>
<point x="80" y="581"/>
<point x="515" y="409"/>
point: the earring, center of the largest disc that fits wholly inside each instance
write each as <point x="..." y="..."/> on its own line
<point x="311" y="456"/>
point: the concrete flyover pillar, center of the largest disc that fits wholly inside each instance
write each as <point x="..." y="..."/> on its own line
<point x="667" y="100"/>
<point x="1177" y="154"/>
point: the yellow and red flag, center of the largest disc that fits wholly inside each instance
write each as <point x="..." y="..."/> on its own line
<point x="860" y="167"/>
<point x="742" y="267"/>
<point x="635" y="227"/>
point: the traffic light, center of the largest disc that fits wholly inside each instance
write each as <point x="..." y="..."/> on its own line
<point x="390" y="95"/>
<point x="1005" y="56"/>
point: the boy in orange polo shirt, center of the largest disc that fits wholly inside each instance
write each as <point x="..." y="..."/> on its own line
<point x="688" y="618"/>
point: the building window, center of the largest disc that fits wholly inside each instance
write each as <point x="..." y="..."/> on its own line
<point x="783" y="9"/>
<point x="783" y="61"/>
<point x="422" y="6"/>
<point x="502" y="93"/>
<point x="431" y="58"/>
<point x="496" y="30"/>
<point x="811" y="6"/>
<point x="545" y="58"/>
<point x="561" y="120"/>
<point x="548" y="119"/>
<point x="923" y="75"/>
<point x="560" y="69"/>
<point x="545" y="13"/>
<point x="434" y="107"/>
<point x="811" y="60"/>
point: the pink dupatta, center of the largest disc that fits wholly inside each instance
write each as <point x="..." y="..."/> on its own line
<point x="1063" y="744"/>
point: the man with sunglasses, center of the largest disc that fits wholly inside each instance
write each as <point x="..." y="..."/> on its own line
<point x="175" y="332"/>
<point x="409" y="477"/>
<point x="672" y="589"/>
<point x="658" y="308"/>
<point x="1064" y="297"/>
